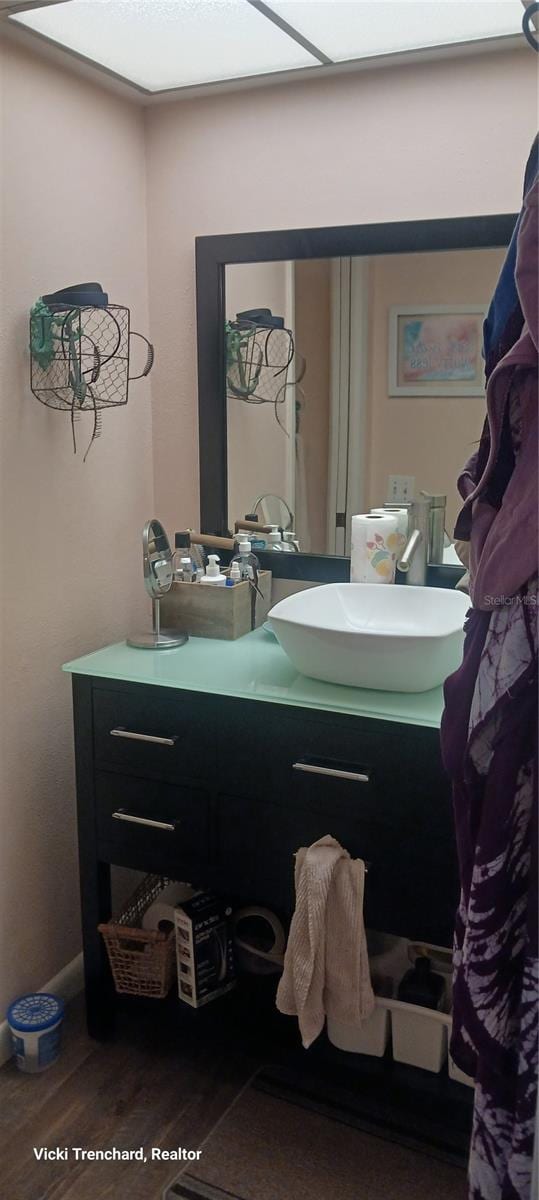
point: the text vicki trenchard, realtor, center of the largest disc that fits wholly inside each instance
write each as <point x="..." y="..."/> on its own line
<point x="114" y="1154"/>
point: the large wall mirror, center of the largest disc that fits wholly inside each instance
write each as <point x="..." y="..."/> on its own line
<point x="328" y="380"/>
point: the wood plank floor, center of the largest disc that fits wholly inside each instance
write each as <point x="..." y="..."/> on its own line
<point x="158" y="1083"/>
<point x="165" y="1080"/>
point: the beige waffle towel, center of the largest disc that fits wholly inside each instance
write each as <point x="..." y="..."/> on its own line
<point x="326" y="968"/>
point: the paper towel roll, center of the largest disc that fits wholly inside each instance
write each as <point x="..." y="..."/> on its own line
<point x="402" y="515"/>
<point x="375" y="543"/>
<point x="160" y="914"/>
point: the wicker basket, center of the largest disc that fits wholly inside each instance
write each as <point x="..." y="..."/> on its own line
<point x="143" y="962"/>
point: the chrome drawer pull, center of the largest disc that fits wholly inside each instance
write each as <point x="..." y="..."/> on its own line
<point x="311" y="769"/>
<point x="143" y="737"/>
<point x="124" y="816"/>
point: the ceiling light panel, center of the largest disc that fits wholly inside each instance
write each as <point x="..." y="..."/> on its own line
<point x="160" y="44"/>
<point x="352" y="29"/>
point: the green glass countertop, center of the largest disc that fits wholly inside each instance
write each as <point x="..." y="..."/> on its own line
<point x="253" y="667"/>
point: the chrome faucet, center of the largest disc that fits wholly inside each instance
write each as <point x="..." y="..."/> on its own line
<point x="415" y="556"/>
<point x="437" y="527"/>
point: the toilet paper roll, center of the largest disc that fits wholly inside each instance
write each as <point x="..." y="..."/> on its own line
<point x="159" y="917"/>
<point x="375" y="544"/>
<point x="259" y="940"/>
<point x="160" y="914"/>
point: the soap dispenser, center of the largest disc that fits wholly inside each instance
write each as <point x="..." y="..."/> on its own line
<point x="213" y="574"/>
<point x="275" y="539"/>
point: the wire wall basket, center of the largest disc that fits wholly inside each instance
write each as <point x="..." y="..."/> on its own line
<point x="258" y="361"/>
<point x="81" y="359"/>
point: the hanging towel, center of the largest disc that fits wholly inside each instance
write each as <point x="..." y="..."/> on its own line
<point x="326" y="967"/>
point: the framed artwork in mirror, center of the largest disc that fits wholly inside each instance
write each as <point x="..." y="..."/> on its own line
<point x="436" y="350"/>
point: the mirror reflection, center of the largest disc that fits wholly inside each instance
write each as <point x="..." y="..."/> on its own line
<point x="352" y="383"/>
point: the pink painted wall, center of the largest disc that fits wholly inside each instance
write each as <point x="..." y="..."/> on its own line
<point x="73" y="167"/>
<point x="408" y="142"/>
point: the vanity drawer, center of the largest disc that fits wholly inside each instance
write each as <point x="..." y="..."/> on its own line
<point x="276" y="751"/>
<point x="287" y="758"/>
<point x="156" y="732"/>
<point x="151" y="826"/>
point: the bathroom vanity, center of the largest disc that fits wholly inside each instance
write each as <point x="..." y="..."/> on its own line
<point x="215" y="762"/>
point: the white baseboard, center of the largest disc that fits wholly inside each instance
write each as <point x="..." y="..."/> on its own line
<point x="66" y="984"/>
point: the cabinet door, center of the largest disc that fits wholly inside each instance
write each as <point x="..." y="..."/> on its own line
<point x="378" y="787"/>
<point x="257" y="844"/>
<point x="405" y="838"/>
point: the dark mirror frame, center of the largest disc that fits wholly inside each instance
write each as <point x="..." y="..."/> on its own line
<point x="214" y="254"/>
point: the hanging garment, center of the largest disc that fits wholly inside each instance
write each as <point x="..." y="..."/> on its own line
<point x="489" y="743"/>
<point x="326" y="966"/>
<point x="499" y="483"/>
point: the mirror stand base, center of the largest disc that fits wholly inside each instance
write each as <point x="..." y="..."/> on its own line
<point x="166" y="639"/>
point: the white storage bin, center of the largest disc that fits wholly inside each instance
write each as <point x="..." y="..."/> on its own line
<point x="419" y="1035"/>
<point x="369" y="1038"/>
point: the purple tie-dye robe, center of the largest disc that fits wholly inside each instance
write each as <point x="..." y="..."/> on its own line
<point x="489" y="743"/>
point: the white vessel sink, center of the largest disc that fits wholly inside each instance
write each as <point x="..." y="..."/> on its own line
<point x="388" y="637"/>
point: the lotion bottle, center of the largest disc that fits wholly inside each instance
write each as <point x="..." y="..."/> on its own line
<point x="213" y="574"/>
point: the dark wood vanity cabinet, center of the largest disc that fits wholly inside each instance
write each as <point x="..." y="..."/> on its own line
<point x="223" y="791"/>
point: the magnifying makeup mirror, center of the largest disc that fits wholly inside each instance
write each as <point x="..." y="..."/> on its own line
<point x="158" y="575"/>
<point x="274" y="510"/>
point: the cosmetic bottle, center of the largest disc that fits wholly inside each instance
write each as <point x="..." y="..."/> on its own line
<point x="421" y="985"/>
<point x="183" y="547"/>
<point x="177" y="565"/>
<point x="247" y="561"/>
<point x="213" y="574"/>
<point x="188" y="569"/>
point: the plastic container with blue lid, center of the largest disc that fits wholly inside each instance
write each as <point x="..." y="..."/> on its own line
<point x="35" y="1022"/>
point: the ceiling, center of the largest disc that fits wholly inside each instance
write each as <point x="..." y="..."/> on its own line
<point x="171" y="46"/>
